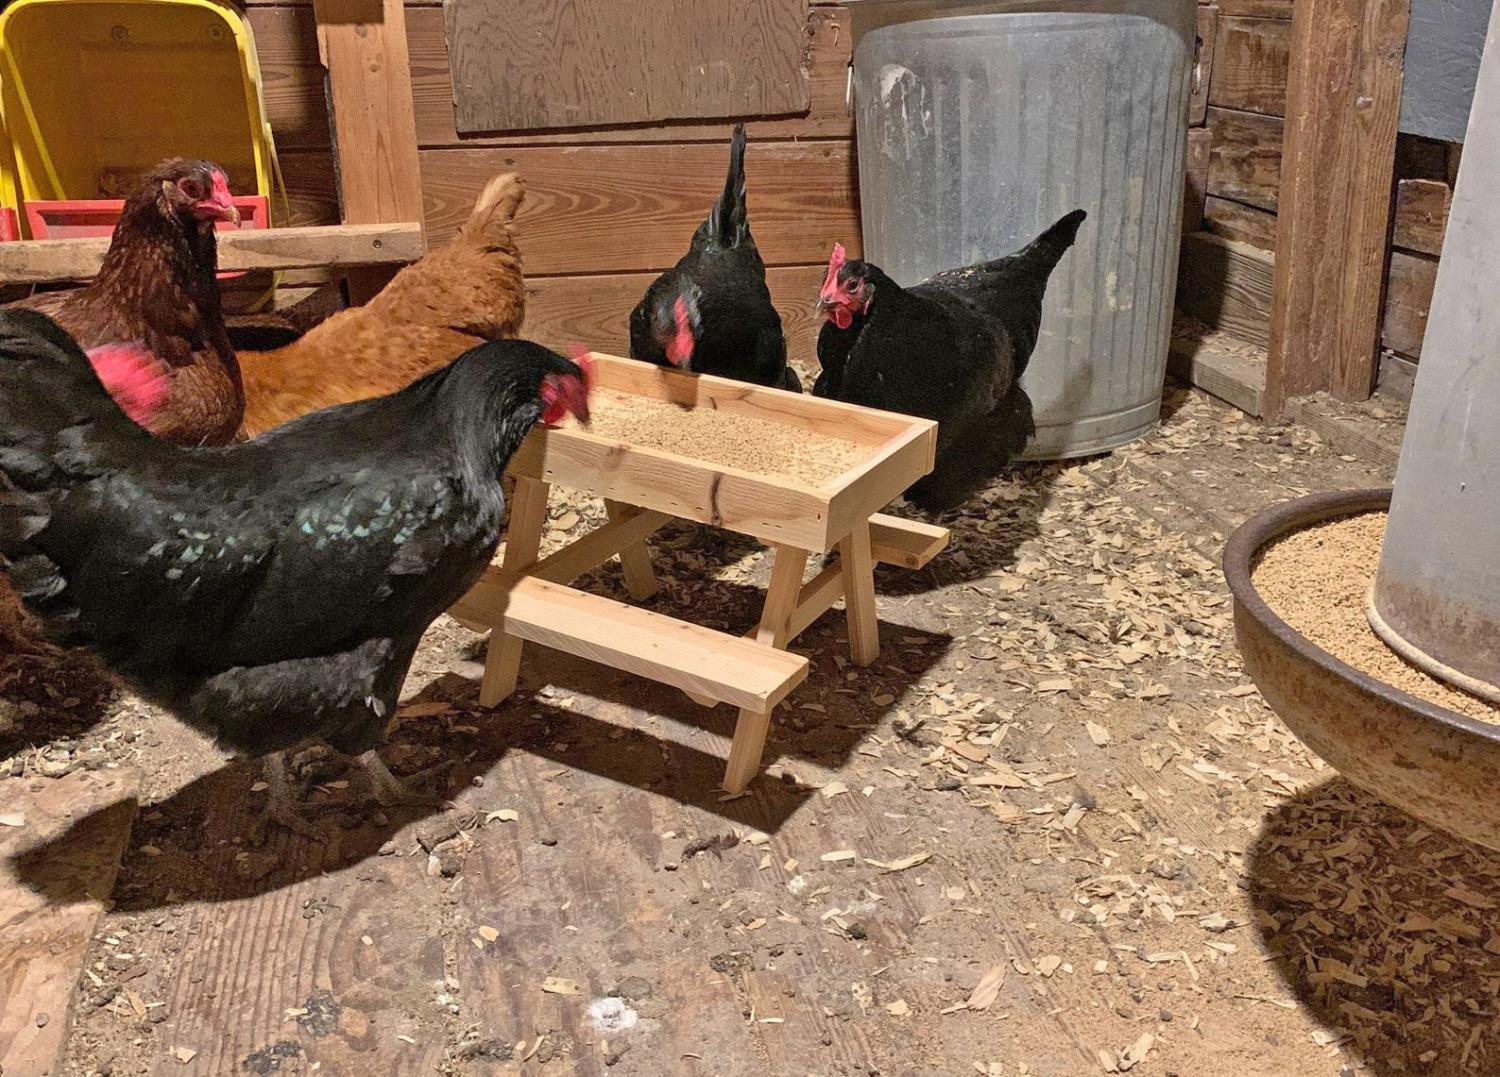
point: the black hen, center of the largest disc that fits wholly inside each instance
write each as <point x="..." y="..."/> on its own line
<point x="273" y="591"/>
<point x="952" y="349"/>
<point x="711" y="312"/>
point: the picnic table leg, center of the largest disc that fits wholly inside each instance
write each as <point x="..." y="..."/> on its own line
<point x="635" y="562"/>
<point x="751" y="727"/>
<point x="523" y="540"/>
<point x="857" y="565"/>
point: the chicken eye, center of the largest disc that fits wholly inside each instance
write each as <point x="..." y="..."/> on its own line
<point x="190" y="188"/>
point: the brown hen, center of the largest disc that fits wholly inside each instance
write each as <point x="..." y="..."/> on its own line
<point x="151" y="319"/>
<point x="466" y="292"/>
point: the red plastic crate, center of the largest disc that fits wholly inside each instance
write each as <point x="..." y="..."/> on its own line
<point x="10" y="226"/>
<point x="85" y="217"/>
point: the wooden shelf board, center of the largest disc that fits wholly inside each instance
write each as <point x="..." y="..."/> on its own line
<point x="1234" y="373"/>
<point x="698" y="660"/>
<point x="51" y="260"/>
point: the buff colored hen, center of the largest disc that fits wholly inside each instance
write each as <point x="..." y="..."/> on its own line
<point x="466" y="292"/>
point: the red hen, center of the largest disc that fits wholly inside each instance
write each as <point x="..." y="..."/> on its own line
<point x="151" y="320"/>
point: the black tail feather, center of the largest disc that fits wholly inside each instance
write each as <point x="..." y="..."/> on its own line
<point x="1046" y="250"/>
<point x="728" y="221"/>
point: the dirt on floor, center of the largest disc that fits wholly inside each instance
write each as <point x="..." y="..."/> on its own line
<point x="1052" y="831"/>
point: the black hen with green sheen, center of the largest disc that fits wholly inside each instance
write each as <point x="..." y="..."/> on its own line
<point x="951" y="349"/>
<point x="274" y="591"/>
<point x="711" y="313"/>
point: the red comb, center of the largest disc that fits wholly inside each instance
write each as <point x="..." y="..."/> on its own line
<point x="564" y="395"/>
<point x="831" y="279"/>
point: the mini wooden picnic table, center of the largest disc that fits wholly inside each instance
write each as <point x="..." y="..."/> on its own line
<point x="527" y="598"/>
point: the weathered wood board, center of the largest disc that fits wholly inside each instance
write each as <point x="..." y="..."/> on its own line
<point x="1250" y="65"/>
<point x="1226" y="285"/>
<point x="1208" y="32"/>
<point x="321" y="949"/>
<point x="1258" y="9"/>
<point x="1421" y="215"/>
<point x="1233" y="377"/>
<point x="1199" y="142"/>
<point x="521" y="65"/>
<point x="249" y="250"/>
<point x="1245" y="162"/>
<point x="623" y="208"/>
<point x="286" y="42"/>
<point x="1234" y="220"/>
<point x="1343" y="96"/>
<point x="1407" y="299"/>
<point x="48" y="908"/>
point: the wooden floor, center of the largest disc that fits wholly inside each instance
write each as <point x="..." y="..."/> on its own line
<point x="1051" y="832"/>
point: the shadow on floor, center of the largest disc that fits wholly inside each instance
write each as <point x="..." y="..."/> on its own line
<point x="1384" y="929"/>
<point x="985" y="532"/>
<point x="196" y="845"/>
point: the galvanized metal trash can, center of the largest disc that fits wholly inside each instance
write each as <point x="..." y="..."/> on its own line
<point x="980" y="122"/>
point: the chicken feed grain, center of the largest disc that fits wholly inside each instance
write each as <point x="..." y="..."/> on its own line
<point x="1316" y="581"/>
<point x="728" y="439"/>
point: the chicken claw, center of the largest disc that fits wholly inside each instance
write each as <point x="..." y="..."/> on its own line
<point x="284" y="804"/>
<point x="393" y="792"/>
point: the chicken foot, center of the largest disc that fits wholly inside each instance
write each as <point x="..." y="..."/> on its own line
<point x="391" y="791"/>
<point x="284" y="802"/>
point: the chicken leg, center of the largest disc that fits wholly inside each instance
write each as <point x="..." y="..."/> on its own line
<point x="284" y="802"/>
<point x="393" y="792"/>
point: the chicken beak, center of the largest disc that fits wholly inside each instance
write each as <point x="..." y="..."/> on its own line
<point x="217" y="209"/>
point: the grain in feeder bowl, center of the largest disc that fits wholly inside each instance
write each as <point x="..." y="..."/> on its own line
<point x="1317" y="581"/>
<point x="728" y="439"/>
<point x="1299" y="572"/>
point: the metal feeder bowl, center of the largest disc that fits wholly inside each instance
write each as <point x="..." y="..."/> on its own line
<point x="1433" y="763"/>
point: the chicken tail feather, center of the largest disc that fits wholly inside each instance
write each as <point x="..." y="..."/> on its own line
<point x="728" y="221"/>
<point x="495" y="209"/>
<point x="1043" y="253"/>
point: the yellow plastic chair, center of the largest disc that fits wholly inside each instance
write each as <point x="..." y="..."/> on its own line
<point x="94" y="92"/>
<point x="10" y="190"/>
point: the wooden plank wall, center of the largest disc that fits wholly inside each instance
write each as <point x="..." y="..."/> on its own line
<point x="606" y="208"/>
<point x="1425" y="173"/>
<point x="1234" y="176"/>
<point x="1234" y="166"/>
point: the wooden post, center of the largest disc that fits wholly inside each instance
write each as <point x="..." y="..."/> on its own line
<point x="857" y="565"/>
<point x="363" y="45"/>
<point x="1338" y="158"/>
<point x="635" y="561"/>
<point x="523" y="540"/>
<point x="751" y="727"/>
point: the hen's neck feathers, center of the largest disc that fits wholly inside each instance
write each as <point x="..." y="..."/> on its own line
<point x="489" y="408"/>
<point x="887" y="296"/>
<point x="161" y="272"/>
